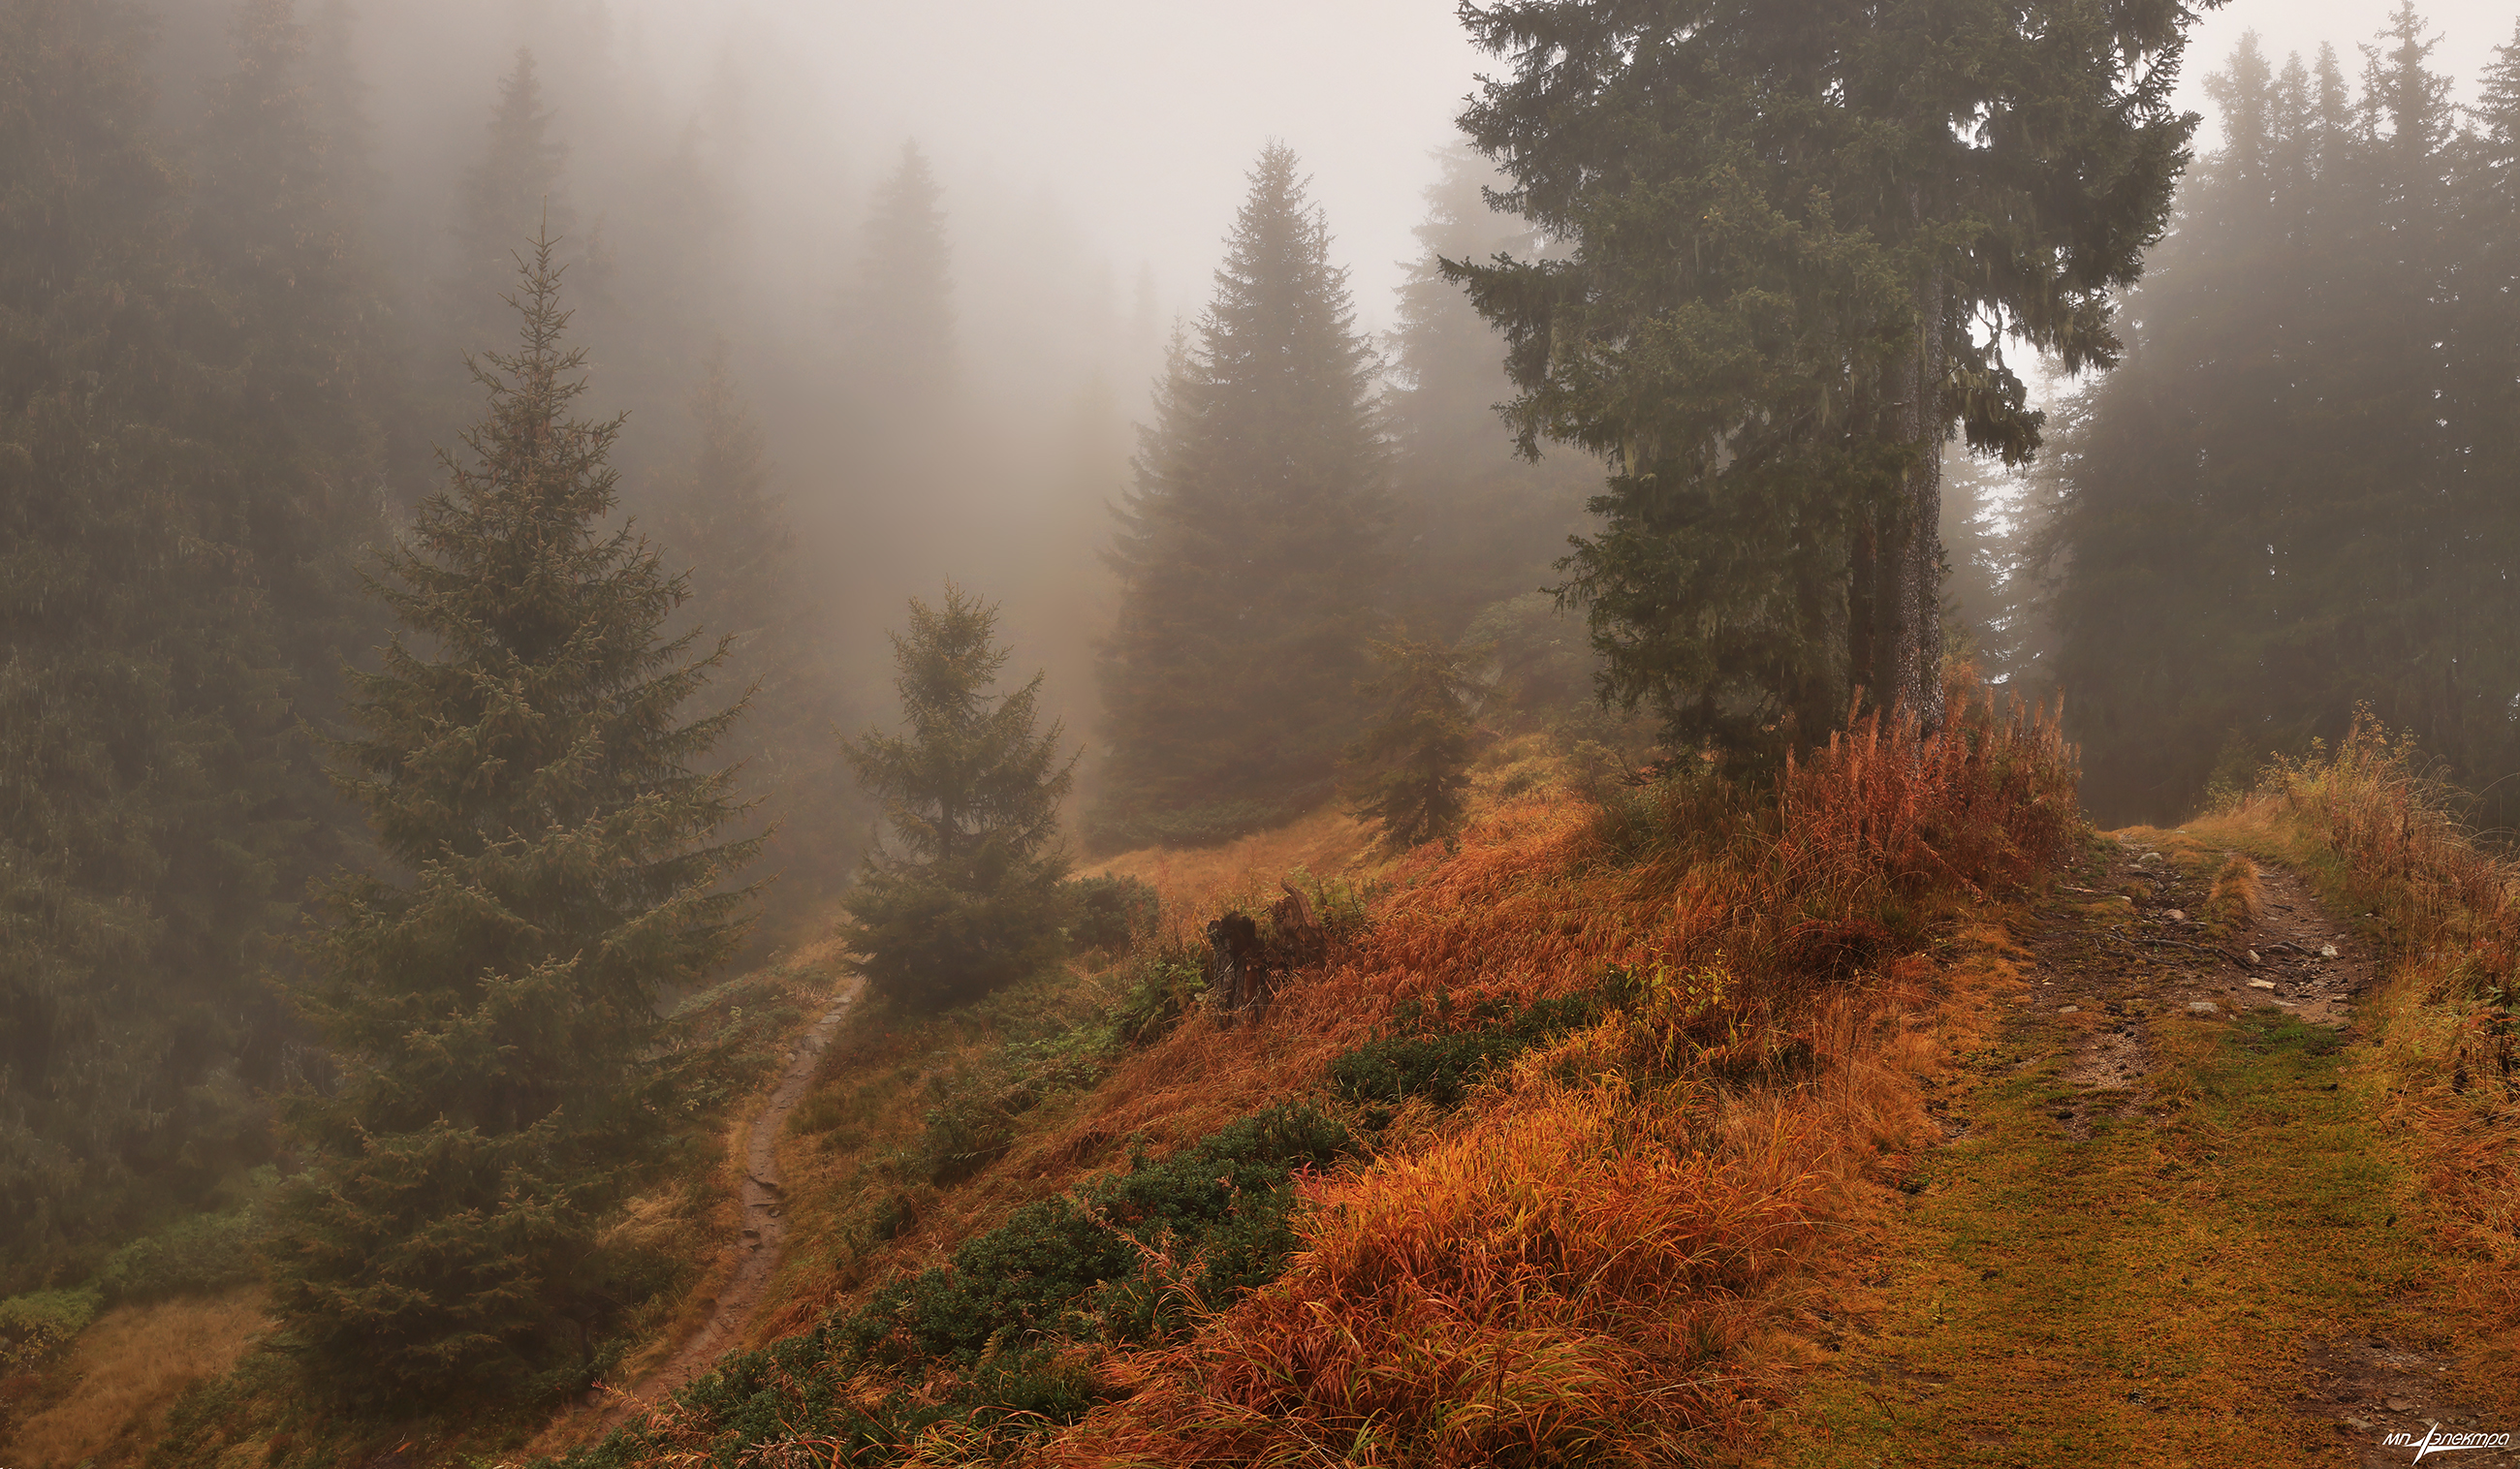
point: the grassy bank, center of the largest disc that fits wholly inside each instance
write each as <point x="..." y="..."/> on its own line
<point x="1607" y="1074"/>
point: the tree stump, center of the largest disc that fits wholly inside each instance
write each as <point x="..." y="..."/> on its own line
<point x="1236" y="961"/>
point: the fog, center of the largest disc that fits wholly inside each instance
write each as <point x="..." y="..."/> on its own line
<point x="1090" y="156"/>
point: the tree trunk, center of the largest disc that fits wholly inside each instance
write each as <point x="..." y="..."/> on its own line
<point x="1896" y="602"/>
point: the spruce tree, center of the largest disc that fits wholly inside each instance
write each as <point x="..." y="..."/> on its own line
<point x="1785" y="224"/>
<point x="302" y="323"/>
<point x="146" y="819"/>
<point x="901" y="315"/>
<point x="513" y="191"/>
<point x="1251" y="549"/>
<point x="1473" y="523"/>
<point x="971" y="789"/>
<point x="2281" y="505"/>
<point x="522" y="759"/>
<point x="726" y="520"/>
<point x="1409" y="770"/>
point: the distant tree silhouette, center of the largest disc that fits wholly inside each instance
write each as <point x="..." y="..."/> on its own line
<point x="2298" y="493"/>
<point x="1252" y="547"/>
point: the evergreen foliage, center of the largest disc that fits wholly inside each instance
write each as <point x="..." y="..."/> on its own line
<point x="520" y="758"/>
<point x="725" y="518"/>
<point x="1251" y="547"/>
<point x="971" y="789"/>
<point x="902" y="315"/>
<point x="512" y="193"/>
<point x="2296" y="495"/>
<point x="173" y="523"/>
<point x="1788" y="224"/>
<point x="1475" y="524"/>
<point x="1408" y="772"/>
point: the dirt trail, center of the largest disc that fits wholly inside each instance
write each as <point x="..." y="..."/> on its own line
<point x="765" y="1234"/>
<point x="2164" y="1226"/>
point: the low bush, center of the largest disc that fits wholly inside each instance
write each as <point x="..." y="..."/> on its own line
<point x="205" y="1253"/>
<point x="1001" y="1338"/>
<point x="1421" y="1057"/>
<point x="40" y="1325"/>
<point x="1110" y="913"/>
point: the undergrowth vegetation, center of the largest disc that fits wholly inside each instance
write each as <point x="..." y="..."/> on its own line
<point x="1583" y="1089"/>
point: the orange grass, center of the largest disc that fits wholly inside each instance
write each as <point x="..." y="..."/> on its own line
<point x="1327" y="841"/>
<point x="1570" y="1274"/>
<point x="1576" y="1267"/>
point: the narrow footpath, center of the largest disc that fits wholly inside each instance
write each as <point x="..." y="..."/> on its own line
<point x="765" y="1237"/>
<point x="2163" y="1227"/>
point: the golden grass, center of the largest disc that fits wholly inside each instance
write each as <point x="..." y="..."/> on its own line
<point x="1593" y="1260"/>
<point x="1578" y="1269"/>
<point x="1326" y="842"/>
<point x="2237" y="897"/>
<point x="130" y="1366"/>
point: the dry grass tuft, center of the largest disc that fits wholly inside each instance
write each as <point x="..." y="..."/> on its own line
<point x="1327" y="841"/>
<point x="130" y="1367"/>
<point x="2238" y="897"/>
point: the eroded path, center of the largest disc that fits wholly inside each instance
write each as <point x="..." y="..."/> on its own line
<point x="765" y="1236"/>
<point x="2163" y="1227"/>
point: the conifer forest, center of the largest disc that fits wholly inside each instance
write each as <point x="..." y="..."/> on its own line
<point x="1408" y="733"/>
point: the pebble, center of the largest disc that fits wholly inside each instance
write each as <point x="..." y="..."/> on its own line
<point x="2261" y="984"/>
<point x="2203" y="1008"/>
<point x="2253" y="958"/>
<point x="2327" y="950"/>
<point x="2067" y="1010"/>
<point x="2359" y="1425"/>
<point x="2176" y="916"/>
<point x="2398" y="1405"/>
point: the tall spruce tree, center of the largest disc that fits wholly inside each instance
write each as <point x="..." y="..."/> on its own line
<point x="972" y="788"/>
<point x="725" y="518"/>
<point x="1252" y="547"/>
<point x="1789" y="226"/>
<point x="525" y="765"/>
<point x="901" y="314"/>
<point x="2282" y="505"/>
<point x="146" y="824"/>
<point x="513" y="191"/>
<point x="1474" y="524"/>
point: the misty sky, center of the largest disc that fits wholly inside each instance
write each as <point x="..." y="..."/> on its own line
<point x="1139" y="116"/>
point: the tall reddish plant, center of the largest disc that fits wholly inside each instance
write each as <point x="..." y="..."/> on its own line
<point x="1985" y="803"/>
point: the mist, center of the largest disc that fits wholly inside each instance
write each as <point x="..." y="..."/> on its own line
<point x="606" y="597"/>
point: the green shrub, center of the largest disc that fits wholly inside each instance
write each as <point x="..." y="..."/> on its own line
<point x="980" y="1339"/>
<point x="1164" y="987"/>
<point x="1111" y="913"/>
<point x="1422" y="1056"/>
<point x="205" y="1253"/>
<point x="37" y="1326"/>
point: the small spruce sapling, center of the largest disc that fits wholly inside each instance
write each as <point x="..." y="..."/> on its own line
<point x="1411" y="768"/>
<point x="975" y="902"/>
